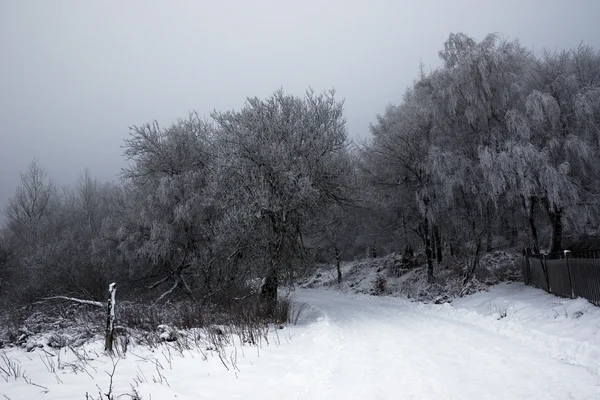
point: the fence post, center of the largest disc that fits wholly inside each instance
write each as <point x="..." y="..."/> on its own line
<point x="524" y="265"/>
<point x="567" y="256"/>
<point x="529" y="254"/>
<point x="526" y="269"/>
<point x="110" y="318"/>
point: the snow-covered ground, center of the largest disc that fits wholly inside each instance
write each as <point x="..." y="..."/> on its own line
<point x="512" y="342"/>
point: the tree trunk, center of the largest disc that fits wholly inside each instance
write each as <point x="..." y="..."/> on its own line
<point x="471" y="272"/>
<point x="555" y="215"/>
<point x="428" y="252"/>
<point x="488" y="240"/>
<point x="509" y="228"/>
<point x="433" y="243"/>
<point x="207" y="272"/>
<point x="338" y="264"/>
<point x="531" y="220"/>
<point x="489" y="237"/>
<point x="514" y="235"/>
<point x="373" y="251"/>
<point x="269" y="289"/>
<point x="438" y="244"/>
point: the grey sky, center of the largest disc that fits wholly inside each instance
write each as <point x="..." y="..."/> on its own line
<point x="75" y="74"/>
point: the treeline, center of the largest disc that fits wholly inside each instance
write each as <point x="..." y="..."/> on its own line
<point x="496" y="147"/>
<point x="494" y="143"/>
<point x="205" y="209"/>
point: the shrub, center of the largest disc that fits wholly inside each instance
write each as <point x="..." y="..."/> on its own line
<point x="379" y="286"/>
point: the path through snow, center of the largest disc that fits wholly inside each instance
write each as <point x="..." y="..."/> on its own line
<point x="388" y="349"/>
<point x="345" y="347"/>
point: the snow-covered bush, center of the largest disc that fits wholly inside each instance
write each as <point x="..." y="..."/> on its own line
<point x="399" y="275"/>
<point x="379" y="286"/>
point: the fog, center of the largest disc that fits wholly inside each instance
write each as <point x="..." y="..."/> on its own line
<point x="74" y="75"/>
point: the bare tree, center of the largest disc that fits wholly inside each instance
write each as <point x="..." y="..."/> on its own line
<point x="31" y="203"/>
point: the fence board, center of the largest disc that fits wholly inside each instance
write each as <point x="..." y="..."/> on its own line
<point x="558" y="275"/>
<point x="538" y="279"/>
<point x="583" y="268"/>
<point x="585" y="274"/>
<point x="595" y="281"/>
<point x="525" y="270"/>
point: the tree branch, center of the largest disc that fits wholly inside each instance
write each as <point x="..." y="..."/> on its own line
<point x="80" y="301"/>
<point x="168" y="292"/>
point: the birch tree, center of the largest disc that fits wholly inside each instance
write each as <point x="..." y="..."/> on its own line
<point x="479" y="84"/>
<point x="563" y="114"/>
<point x="549" y="159"/>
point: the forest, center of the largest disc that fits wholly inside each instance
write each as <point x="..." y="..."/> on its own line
<point x="497" y="148"/>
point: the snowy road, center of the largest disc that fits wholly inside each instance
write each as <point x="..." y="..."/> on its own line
<point x="344" y="347"/>
<point x="378" y="348"/>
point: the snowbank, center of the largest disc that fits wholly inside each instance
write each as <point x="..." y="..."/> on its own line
<point x="566" y="329"/>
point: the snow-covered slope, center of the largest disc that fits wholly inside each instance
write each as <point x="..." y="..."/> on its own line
<point x="395" y="275"/>
<point x="565" y="329"/>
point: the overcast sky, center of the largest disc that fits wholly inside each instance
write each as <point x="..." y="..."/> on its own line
<point x="74" y="75"/>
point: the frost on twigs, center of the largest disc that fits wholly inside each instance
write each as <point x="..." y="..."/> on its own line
<point x="166" y="333"/>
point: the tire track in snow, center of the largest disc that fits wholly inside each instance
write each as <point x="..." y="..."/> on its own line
<point x="393" y="349"/>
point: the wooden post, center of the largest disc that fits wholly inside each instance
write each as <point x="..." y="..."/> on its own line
<point x="110" y="318"/>
<point x="567" y="256"/>
<point x="528" y="255"/>
<point x="524" y="268"/>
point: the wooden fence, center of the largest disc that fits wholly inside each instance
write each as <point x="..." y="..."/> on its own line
<point x="568" y="274"/>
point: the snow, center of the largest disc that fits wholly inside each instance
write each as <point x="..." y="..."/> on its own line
<point x="512" y="342"/>
<point x="568" y="330"/>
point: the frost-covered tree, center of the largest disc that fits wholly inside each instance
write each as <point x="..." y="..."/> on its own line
<point x="281" y="160"/>
<point x="50" y="234"/>
<point x="114" y="247"/>
<point x="563" y="114"/>
<point x="397" y="164"/>
<point x="6" y="257"/>
<point x="333" y="232"/>
<point x="495" y="131"/>
<point x="479" y="84"/>
<point x="32" y="203"/>
<point x="168" y="217"/>
<point x="89" y="199"/>
<point x="550" y="157"/>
